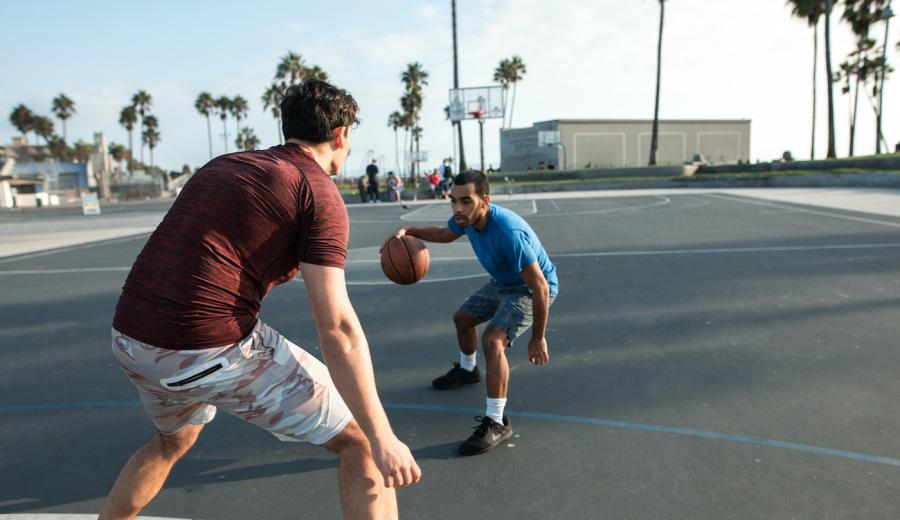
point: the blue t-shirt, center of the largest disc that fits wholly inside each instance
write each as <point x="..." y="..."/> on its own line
<point x="505" y="246"/>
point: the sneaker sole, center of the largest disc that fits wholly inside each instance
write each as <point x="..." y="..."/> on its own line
<point x="486" y="449"/>
<point x="455" y="385"/>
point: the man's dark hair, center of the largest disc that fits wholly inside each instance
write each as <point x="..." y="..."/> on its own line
<point x="479" y="179"/>
<point x="312" y="110"/>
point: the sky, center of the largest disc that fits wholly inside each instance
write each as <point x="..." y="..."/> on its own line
<point x="591" y="59"/>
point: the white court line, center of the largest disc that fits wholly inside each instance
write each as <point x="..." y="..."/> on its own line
<point x="654" y="252"/>
<point x="554" y="205"/>
<point x="804" y="210"/>
<point x="663" y="202"/>
<point x="34" y="516"/>
<point x="73" y="248"/>
<point x="407" y="216"/>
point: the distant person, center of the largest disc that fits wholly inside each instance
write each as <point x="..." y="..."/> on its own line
<point x="550" y="166"/>
<point x="361" y="186"/>
<point x="187" y="331"/>
<point x="541" y="166"/>
<point x="433" y="181"/>
<point x="372" y="173"/>
<point x="523" y="285"/>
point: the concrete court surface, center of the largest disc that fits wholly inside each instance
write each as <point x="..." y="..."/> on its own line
<point x="714" y="354"/>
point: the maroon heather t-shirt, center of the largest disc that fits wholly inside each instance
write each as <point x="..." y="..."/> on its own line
<point x="239" y="227"/>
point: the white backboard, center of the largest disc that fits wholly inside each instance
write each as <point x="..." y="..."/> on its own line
<point x="466" y="102"/>
<point x="548" y="137"/>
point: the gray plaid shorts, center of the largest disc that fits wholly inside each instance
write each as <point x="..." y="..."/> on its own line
<point x="506" y="308"/>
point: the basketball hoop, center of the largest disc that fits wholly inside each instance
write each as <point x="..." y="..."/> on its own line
<point x="476" y="114"/>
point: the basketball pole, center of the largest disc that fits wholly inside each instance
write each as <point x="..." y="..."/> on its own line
<point x="481" y="139"/>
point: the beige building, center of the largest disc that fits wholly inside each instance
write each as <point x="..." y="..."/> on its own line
<point x="617" y="143"/>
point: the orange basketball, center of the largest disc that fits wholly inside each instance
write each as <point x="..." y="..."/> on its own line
<point x="405" y="260"/>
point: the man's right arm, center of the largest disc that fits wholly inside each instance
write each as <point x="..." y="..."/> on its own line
<point x="428" y="234"/>
<point x="349" y="363"/>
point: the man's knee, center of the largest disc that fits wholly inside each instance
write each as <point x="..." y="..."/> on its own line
<point x="464" y="321"/>
<point x="350" y="439"/>
<point x="493" y="341"/>
<point x="175" y="445"/>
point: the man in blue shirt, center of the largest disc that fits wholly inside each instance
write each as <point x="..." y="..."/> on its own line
<point x="523" y="285"/>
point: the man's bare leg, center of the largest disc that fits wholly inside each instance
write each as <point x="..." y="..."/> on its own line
<point x="465" y="331"/>
<point x="363" y="495"/>
<point x="494" y="345"/>
<point x="145" y="473"/>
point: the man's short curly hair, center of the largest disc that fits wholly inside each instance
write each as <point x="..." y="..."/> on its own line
<point x="312" y="110"/>
<point x="479" y="179"/>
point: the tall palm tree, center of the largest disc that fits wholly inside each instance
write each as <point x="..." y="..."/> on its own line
<point x="151" y="138"/>
<point x="128" y="118"/>
<point x="459" y="134"/>
<point x="414" y="78"/>
<point x="63" y="108"/>
<point x="204" y="104"/>
<point x="246" y="139"/>
<point x="811" y="11"/>
<point x="501" y="75"/>
<point x="395" y="121"/>
<point x="271" y="98"/>
<point x="516" y="74"/>
<point x="238" y="110"/>
<point x="290" y="69"/>
<point x="22" y="118"/>
<point x="830" y="154"/>
<point x="654" y="139"/>
<point x="142" y="102"/>
<point x="223" y="108"/>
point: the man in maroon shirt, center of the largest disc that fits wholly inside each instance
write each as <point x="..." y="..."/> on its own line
<point x="187" y="333"/>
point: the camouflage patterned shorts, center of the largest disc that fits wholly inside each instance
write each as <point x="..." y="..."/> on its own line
<point x="263" y="379"/>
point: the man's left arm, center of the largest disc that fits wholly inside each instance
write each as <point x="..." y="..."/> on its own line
<point x="538" y="353"/>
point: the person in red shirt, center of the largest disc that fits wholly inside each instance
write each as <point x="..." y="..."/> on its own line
<point x="187" y="332"/>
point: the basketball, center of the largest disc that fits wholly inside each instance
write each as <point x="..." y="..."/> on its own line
<point x="405" y="260"/>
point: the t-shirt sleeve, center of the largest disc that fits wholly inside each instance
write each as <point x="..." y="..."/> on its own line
<point x="451" y="223"/>
<point x="519" y="251"/>
<point x="324" y="226"/>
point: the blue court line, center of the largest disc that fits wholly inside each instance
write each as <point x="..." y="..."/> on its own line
<point x="624" y="425"/>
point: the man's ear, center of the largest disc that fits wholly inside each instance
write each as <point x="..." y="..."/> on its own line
<point x="341" y="134"/>
<point x="485" y="200"/>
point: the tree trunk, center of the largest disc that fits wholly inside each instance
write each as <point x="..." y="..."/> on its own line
<point x="209" y="134"/>
<point x="655" y="133"/>
<point x="512" y="106"/>
<point x="878" y="134"/>
<point x="65" y="133"/>
<point x="225" y="134"/>
<point x="812" y="146"/>
<point x="830" y="76"/>
<point x="397" y="153"/>
<point x="130" y="153"/>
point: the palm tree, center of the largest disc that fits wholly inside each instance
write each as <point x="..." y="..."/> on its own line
<point x="118" y="153"/>
<point x="654" y="139"/>
<point x="246" y="140"/>
<point x="142" y="102"/>
<point x="238" y="109"/>
<point x="204" y="104"/>
<point x="414" y="78"/>
<point x="151" y="138"/>
<point x="223" y="108"/>
<point x="271" y="98"/>
<point x="831" y="154"/>
<point x="502" y="74"/>
<point x="314" y="72"/>
<point x="23" y="119"/>
<point x="63" y="108"/>
<point x="290" y="69"/>
<point x="516" y="73"/>
<point x="811" y="11"/>
<point x="43" y="127"/>
<point x="128" y="118"/>
<point x="395" y="121"/>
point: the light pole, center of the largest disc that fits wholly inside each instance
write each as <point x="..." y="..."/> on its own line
<point x="462" y="149"/>
<point x="886" y="15"/>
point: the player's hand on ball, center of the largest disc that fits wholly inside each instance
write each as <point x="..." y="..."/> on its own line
<point x="538" y="353"/>
<point x="396" y="463"/>
<point x="397" y="234"/>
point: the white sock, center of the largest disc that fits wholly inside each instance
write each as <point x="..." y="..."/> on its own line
<point x="495" y="409"/>
<point x="466" y="361"/>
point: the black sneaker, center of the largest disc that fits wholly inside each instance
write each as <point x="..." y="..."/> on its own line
<point x="456" y="378"/>
<point x="487" y="435"/>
